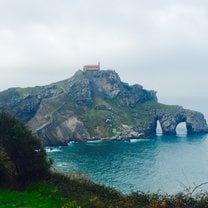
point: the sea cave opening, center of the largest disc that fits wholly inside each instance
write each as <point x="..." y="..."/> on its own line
<point x="159" y="131"/>
<point x="181" y="129"/>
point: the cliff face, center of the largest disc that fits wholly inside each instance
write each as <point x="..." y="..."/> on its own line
<point x="95" y="104"/>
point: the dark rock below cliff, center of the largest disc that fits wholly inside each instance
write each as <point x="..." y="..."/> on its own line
<point x="95" y="104"/>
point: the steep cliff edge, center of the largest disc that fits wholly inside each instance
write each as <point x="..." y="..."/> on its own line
<point x="95" y="104"/>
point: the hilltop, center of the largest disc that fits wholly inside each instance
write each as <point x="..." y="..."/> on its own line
<point x="92" y="105"/>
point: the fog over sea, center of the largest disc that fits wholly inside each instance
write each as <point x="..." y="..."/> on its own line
<point x="162" y="163"/>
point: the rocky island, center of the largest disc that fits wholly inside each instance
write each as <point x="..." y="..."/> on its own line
<point x="95" y="104"/>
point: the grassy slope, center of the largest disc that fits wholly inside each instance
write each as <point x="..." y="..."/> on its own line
<point x="36" y="196"/>
<point x="75" y="192"/>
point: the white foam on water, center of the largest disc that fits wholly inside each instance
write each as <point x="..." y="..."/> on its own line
<point x="135" y="140"/>
<point x="95" y="141"/>
<point x="71" y="143"/>
<point x="138" y="140"/>
<point x="51" y="149"/>
<point x="62" y="164"/>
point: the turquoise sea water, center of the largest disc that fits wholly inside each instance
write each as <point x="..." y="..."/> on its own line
<point x="165" y="163"/>
<point x="160" y="163"/>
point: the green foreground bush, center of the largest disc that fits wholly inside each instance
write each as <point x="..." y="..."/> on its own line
<point x="23" y="159"/>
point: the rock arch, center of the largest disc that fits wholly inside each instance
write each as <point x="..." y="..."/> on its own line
<point x="158" y="128"/>
<point x="181" y="129"/>
<point x="195" y="122"/>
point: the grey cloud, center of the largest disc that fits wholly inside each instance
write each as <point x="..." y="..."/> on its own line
<point x="161" y="44"/>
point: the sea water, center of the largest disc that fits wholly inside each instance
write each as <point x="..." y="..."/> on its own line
<point x="161" y="163"/>
<point x="166" y="163"/>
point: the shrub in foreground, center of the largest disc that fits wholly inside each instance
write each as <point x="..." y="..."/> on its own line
<point x="22" y="156"/>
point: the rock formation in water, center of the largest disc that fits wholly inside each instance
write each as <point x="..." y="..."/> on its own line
<point x="95" y="104"/>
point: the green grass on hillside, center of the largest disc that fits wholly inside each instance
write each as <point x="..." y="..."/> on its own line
<point x="76" y="191"/>
<point x="35" y="196"/>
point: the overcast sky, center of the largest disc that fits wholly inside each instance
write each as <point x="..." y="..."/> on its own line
<point x="161" y="44"/>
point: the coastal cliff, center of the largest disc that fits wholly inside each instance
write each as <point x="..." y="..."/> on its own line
<point x="95" y="104"/>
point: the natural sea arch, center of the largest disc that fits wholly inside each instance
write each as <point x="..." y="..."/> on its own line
<point x="158" y="128"/>
<point x="178" y="122"/>
<point x="181" y="129"/>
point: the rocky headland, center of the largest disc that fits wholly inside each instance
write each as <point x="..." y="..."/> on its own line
<point x="93" y="105"/>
